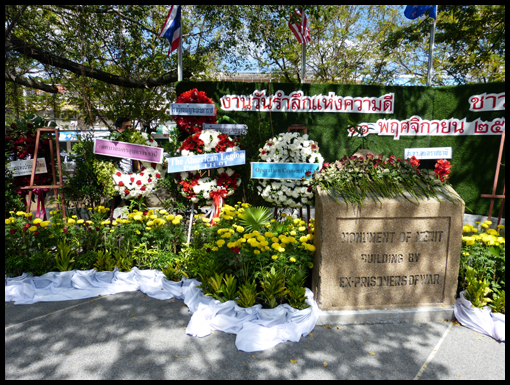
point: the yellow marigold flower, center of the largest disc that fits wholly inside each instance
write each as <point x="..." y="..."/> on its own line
<point x="20" y="213"/>
<point x="178" y="217"/>
<point x="214" y="248"/>
<point x="45" y="223"/>
<point x="492" y="232"/>
<point x="170" y="217"/>
<point x="281" y="250"/>
<point x="112" y="230"/>
<point x="205" y="219"/>
<point x="488" y="222"/>
<point x="70" y="221"/>
<point x="7" y="221"/>
<point x="138" y="217"/>
<point x="292" y="259"/>
<point x="275" y="257"/>
<point x="275" y="246"/>
<point x="37" y="220"/>
<point x="80" y="221"/>
<point x="33" y="228"/>
<point x="302" y="228"/>
<point x="310" y="247"/>
<point x="153" y="216"/>
<point x="138" y="232"/>
<point x="150" y="223"/>
<point x="148" y="228"/>
<point x="163" y="212"/>
<point x="501" y="240"/>
<point x="500" y="226"/>
<point x="240" y="229"/>
<point x="220" y="242"/>
<point x="256" y="252"/>
<point x="269" y="235"/>
<point x="176" y="221"/>
<point x="485" y="225"/>
<point x="466" y="228"/>
<point x="292" y="233"/>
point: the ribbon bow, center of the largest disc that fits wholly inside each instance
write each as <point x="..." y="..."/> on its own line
<point x="41" y="195"/>
<point x="217" y="197"/>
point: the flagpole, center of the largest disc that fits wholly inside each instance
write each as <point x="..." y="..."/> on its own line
<point x="179" y="54"/>
<point x="431" y="49"/>
<point x="303" y="61"/>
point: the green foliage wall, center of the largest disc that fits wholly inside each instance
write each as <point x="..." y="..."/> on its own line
<point x="474" y="157"/>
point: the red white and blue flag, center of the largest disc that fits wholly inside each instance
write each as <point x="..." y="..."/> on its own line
<point x="414" y="11"/>
<point x="172" y="28"/>
<point x="299" y="25"/>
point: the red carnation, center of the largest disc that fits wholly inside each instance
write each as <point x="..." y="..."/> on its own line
<point x="121" y="183"/>
<point x="139" y="182"/>
<point x="118" y="173"/>
<point x="143" y="188"/>
<point x="126" y="191"/>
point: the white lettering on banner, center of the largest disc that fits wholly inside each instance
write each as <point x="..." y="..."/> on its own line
<point x="487" y="102"/>
<point x="298" y="102"/>
<point x="24" y="167"/>
<point x="416" y="126"/>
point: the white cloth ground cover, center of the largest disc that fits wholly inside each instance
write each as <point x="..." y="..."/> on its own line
<point x="482" y="320"/>
<point x="257" y="329"/>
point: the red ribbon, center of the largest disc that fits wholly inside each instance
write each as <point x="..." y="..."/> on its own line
<point x="41" y="194"/>
<point x="217" y="197"/>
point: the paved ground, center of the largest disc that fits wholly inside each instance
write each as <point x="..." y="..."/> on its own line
<point x="132" y="336"/>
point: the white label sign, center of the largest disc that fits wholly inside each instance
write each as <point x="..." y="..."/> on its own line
<point x="24" y="167"/>
<point x="429" y="153"/>
<point x="192" y="109"/>
<point x="229" y="129"/>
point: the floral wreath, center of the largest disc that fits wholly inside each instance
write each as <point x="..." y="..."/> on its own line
<point x="192" y="124"/>
<point x="289" y="148"/>
<point x="223" y="181"/>
<point x="143" y="182"/>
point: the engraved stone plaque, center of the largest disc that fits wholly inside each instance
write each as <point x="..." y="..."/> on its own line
<point x="391" y="255"/>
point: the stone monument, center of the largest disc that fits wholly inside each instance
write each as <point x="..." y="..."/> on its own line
<point x="395" y="255"/>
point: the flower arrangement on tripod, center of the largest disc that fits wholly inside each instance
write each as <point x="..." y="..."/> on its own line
<point x="189" y="125"/>
<point x="289" y="148"/>
<point x="197" y="186"/>
<point x="143" y="182"/>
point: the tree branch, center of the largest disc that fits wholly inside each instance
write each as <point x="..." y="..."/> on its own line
<point x="48" y="58"/>
<point x="29" y="82"/>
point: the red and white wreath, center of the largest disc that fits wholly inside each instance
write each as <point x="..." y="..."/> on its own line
<point x="140" y="183"/>
<point x="196" y="185"/>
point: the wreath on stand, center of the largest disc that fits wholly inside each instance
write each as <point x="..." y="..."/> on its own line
<point x="20" y="145"/>
<point x="198" y="186"/>
<point x="189" y="125"/>
<point x="289" y="148"/>
<point x="141" y="183"/>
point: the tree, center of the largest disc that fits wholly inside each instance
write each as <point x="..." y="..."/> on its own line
<point x="470" y="44"/>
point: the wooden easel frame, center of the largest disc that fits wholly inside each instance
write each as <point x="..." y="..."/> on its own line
<point x="494" y="196"/>
<point x="54" y="186"/>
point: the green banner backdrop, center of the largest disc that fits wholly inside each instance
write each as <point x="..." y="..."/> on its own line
<point x="455" y="108"/>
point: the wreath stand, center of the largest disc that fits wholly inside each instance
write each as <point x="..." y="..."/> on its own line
<point x="300" y="127"/>
<point x="54" y="186"/>
<point x="494" y="196"/>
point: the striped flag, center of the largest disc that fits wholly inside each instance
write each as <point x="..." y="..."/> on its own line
<point x="299" y="25"/>
<point x="172" y="28"/>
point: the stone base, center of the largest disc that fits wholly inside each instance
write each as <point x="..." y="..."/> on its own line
<point x="404" y="315"/>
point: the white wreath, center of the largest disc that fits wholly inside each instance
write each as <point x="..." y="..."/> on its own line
<point x="289" y="148"/>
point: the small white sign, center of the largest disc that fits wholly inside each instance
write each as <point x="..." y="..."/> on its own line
<point x="192" y="109"/>
<point x="229" y="129"/>
<point x="429" y="153"/>
<point x="24" y="167"/>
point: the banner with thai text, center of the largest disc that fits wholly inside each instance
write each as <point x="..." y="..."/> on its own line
<point x="265" y="170"/>
<point x="487" y="102"/>
<point x="206" y="161"/>
<point x="297" y="101"/>
<point x="24" y="167"/>
<point x="416" y="126"/>
<point x="429" y="153"/>
<point x="128" y="150"/>
<point x="229" y="129"/>
<point x="192" y="109"/>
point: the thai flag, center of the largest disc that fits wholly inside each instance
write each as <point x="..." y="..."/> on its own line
<point x="172" y="27"/>
<point x="298" y="24"/>
<point x="414" y="11"/>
